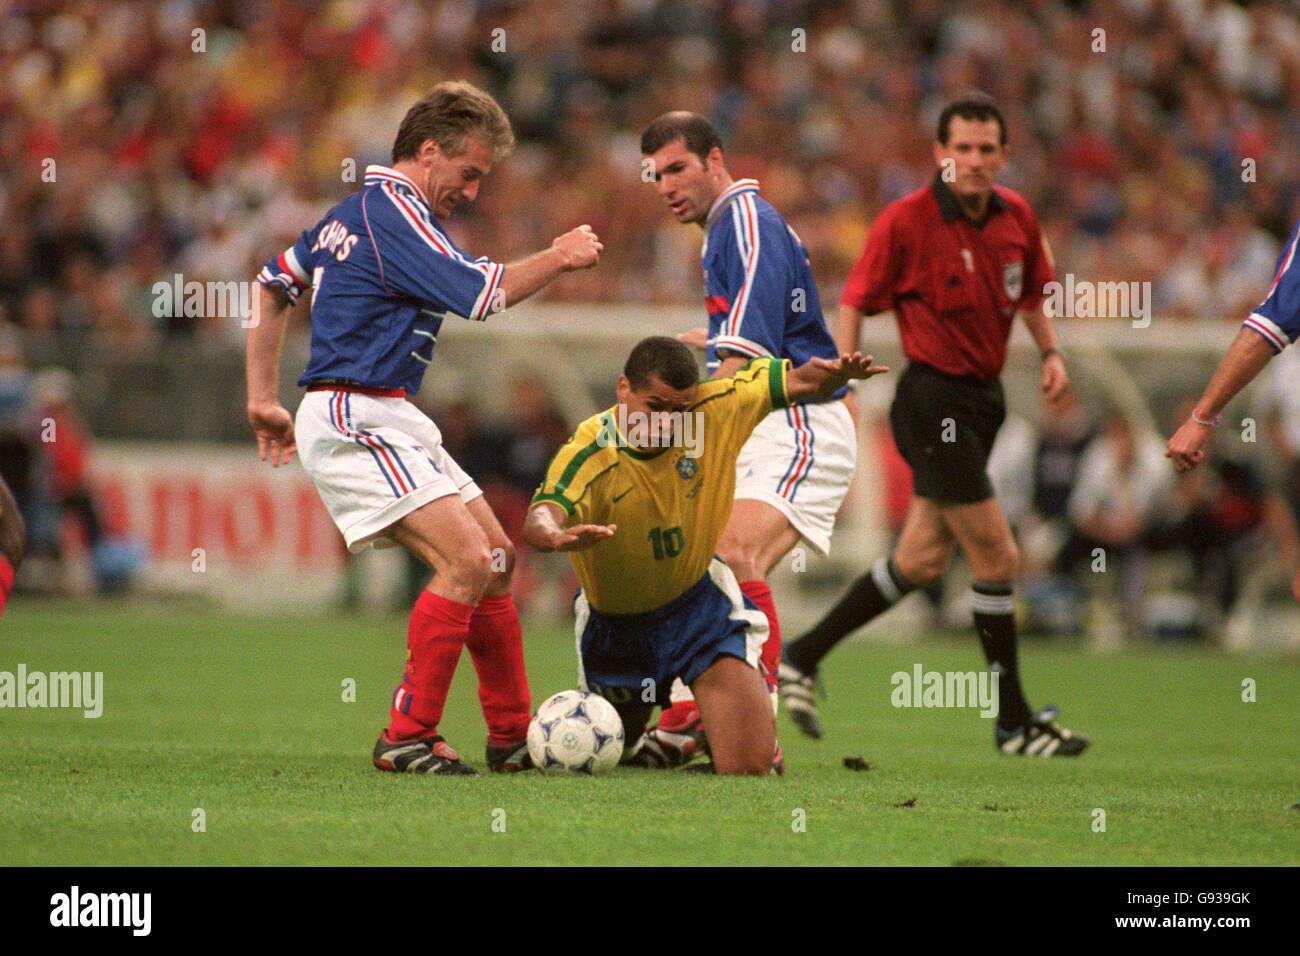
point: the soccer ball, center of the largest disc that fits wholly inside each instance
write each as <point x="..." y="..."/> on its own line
<point x="575" y="731"/>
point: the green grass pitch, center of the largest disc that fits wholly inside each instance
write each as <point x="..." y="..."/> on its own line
<point x="243" y="717"/>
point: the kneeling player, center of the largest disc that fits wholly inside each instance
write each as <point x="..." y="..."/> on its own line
<point x="645" y="489"/>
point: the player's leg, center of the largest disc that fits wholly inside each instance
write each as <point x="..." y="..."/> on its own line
<point x="635" y="716"/>
<point x="616" y="656"/>
<point x="379" y="483"/>
<point x="756" y="537"/>
<point x="916" y="418"/>
<point x="446" y="537"/>
<point x="797" y="466"/>
<point x="791" y="479"/>
<point x="985" y="539"/>
<point x="920" y="556"/>
<point x="737" y="715"/>
<point x="496" y="646"/>
<point x="13" y="541"/>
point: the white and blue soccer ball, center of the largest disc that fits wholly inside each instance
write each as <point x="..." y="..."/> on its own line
<point x="575" y="731"/>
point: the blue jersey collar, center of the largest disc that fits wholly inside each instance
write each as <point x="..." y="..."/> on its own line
<point x="737" y="189"/>
<point x="376" y="174"/>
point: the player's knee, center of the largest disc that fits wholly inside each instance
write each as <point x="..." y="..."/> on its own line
<point x="470" y="571"/>
<point x="503" y="563"/>
<point x="1001" y="563"/>
<point x="923" y="567"/>
<point x="744" y="559"/>
<point x="756" y="764"/>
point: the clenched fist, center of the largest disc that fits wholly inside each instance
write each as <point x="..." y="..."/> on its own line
<point x="579" y="247"/>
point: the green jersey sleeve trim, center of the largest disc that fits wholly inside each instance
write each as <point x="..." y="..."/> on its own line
<point x="560" y="500"/>
<point x="777" y="370"/>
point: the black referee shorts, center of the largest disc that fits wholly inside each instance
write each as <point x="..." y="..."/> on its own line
<point x="944" y="426"/>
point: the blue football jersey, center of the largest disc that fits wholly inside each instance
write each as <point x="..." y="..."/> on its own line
<point x="1277" y="318"/>
<point x="383" y="276"/>
<point x="758" y="284"/>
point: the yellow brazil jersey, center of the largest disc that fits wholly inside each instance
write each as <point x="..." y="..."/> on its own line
<point x="670" y="507"/>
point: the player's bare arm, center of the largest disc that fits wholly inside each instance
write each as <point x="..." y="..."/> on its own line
<point x="730" y="365"/>
<point x="271" y="421"/>
<point x="1053" y="380"/>
<point x="446" y="179"/>
<point x="544" y="530"/>
<point x="820" y="378"/>
<point x="1248" y="354"/>
<point x="695" y="338"/>
<point x="577" y="249"/>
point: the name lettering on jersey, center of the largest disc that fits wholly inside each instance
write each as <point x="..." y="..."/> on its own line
<point x="335" y="238"/>
<point x="655" y="430"/>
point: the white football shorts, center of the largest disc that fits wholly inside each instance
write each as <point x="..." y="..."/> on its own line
<point x="800" y="460"/>
<point x="374" y="460"/>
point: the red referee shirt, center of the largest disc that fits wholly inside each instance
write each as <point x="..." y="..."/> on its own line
<point x="954" y="285"/>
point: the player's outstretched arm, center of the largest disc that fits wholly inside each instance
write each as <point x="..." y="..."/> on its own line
<point x="271" y="421"/>
<point x="1247" y="355"/>
<point x="821" y="378"/>
<point x="544" y="531"/>
<point x="576" y="249"/>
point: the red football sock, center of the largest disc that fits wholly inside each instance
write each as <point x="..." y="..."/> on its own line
<point x="6" y="581"/>
<point x="758" y="592"/>
<point x="496" y="645"/>
<point x="437" y="631"/>
<point x="677" y="716"/>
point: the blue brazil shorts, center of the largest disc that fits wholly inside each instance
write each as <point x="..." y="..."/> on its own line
<point x="627" y="657"/>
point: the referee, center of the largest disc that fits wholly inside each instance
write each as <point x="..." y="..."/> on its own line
<point x="955" y="261"/>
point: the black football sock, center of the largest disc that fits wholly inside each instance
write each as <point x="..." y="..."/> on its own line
<point x="995" y="622"/>
<point x="876" y="591"/>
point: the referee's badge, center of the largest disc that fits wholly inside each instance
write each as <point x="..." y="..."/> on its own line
<point x="687" y="467"/>
<point x="1013" y="276"/>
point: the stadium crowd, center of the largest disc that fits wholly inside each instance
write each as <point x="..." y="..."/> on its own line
<point x="1155" y="139"/>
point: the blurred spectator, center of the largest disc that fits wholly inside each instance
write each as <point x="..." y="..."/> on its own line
<point x="66" y="444"/>
<point x="1046" y="469"/>
<point x="1230" y="518"/>
<point x="25" y="468"/>
<point x="1122" y="482"/>
<point x="1122" y="486"/>
<point x="1067" y="431"/>
<point x="476" y="446"/>
<point x="535" y="430"/>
